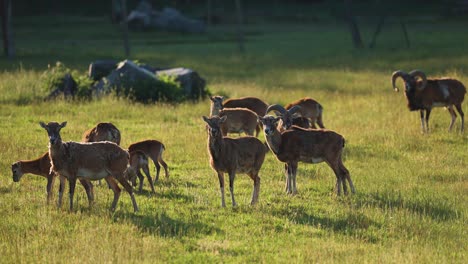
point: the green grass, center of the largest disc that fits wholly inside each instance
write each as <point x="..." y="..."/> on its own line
<point x="411" y="200"/>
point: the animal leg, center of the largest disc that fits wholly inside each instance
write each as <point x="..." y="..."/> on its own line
<point x="421" y="112"/>
<point x="462" y="115"/>
<point x="61" y="187"/>
<point x="221" y="186"/>
<point x="320" y="122"/>
<point x="115" y="188"/>
<point x="50" y="184"/>
<point x="158" y="169"/>
<point x="72" y="184"/>
<point x="347" y="176"/>
<point x="88" y="186"/>
<point x="286" y="172"/>
<point x="148" y="176"/>
<point x="141" y="178"/>
<point x="339" y="177"/>
<point x="232" y="175"/>
<point x="428" y="113"/>
<point x="129" y="189"/>
<point x="161" y="161"/>
<point x="293" y="178"/>
<point x="256" y="189"/>
<point x="454" y="116"/>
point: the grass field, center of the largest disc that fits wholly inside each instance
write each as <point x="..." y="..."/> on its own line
<point x="411" y="200"/>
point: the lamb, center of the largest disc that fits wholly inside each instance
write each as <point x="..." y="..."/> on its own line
<point x="138" y="161"/>
<point x="309" y="108"/>
<point x="252" y="103"/>
<point x="234" y="155"/>
<point x="91" y="161"/>
<point x="41" y="166"/>
<point x="102" y="132"/>
<point x="238" y="119"/>
<point x="154" y="150"/>
<point x="424" y="94"/>
<point x="306" y="145"/>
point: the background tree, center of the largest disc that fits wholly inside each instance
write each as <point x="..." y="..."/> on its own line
<point x="7" y="31"/>
<point x="353" y="26"/>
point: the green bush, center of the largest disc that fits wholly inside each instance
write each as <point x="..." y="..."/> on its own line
<point x="53" y="78"/>
<point x="165" y="89"/>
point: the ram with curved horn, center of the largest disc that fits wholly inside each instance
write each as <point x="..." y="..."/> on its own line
<point x="286" y="116"/>
<point x="424" y="94"/>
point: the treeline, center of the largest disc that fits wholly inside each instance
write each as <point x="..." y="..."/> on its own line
<point x="102" y="7"/>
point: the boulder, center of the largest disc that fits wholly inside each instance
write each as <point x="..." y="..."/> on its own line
<point x="126" y="71"/>
<point x="101" y="68"/>
<point x="190" y="81"/>
<point x="169" y="19"/>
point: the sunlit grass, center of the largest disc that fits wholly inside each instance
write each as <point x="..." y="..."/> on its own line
<point x="410" y="204"/>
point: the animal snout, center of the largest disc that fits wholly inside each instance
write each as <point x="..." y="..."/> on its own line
<point x="268" y="130"/>
<point x="52" y="139"/>
<point x="16" y="178"/>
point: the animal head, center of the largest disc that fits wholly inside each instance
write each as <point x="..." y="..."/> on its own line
<point x="216" y="104"/>
<point x="414" y="80"/>
<point x="286" y="116"/>
<point x="53" y="130"/>
<point x="17" y="171"/>
<point x="269" y="123"/>
<point x="214" y="124"/>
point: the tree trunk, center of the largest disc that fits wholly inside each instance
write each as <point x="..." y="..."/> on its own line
<point x="377" y="32"/>
<point x="405" y="33"/>
<point x="353" y="27"/>
<point x="7" y="31"/>
<point x="208" y="12"/>
<point x="240" y="19"/>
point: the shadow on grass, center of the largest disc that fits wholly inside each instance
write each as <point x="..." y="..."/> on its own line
<point x="429" y="206"/>
<point x="5" y="190"/>
<point x="353" y="224"/>
<point x="163" y="225"/>
<point x="170" y="194"/>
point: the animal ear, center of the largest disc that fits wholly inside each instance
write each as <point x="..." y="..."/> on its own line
<point x="277" y="119"/>
<point x="277" y="113"/>
<point x="63" y="124"/>
<point x="205" y="119"/>
<point x="43" y="125"/>
<point x="222" y="119"/>
<point x="212" y="98"/>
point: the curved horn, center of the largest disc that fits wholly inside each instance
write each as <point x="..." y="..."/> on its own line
<point x="294" y="109"/>
<point x="276" y="107"/>
<point x="395" y="75"/>
<point x="419" y="73"/>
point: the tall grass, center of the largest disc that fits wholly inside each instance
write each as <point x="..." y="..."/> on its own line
<point x="411" y="198"/>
